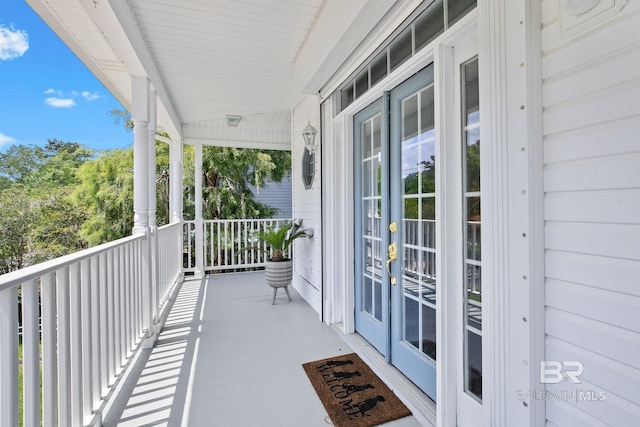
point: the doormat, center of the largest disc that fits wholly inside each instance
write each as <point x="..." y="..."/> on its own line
<point x="352" y="394"/>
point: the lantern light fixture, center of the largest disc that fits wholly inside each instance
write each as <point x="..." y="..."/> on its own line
<point x="309" y="134"/>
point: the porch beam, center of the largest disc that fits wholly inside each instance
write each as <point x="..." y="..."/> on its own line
<point x="136" y="51"/>
<point x="259" y="145"/>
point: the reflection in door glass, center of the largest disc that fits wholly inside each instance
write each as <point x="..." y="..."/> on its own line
<point x="371" y="202"/>
<point x="472" y="268"/>
<point x="418" y="221"/>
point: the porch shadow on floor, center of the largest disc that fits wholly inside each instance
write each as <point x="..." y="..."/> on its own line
<point x="227" y="357"/>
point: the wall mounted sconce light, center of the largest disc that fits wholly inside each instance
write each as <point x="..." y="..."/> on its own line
<point x="309" y="134"/>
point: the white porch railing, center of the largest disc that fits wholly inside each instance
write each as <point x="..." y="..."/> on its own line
<point x="95" y="307"/>
<point x="225" y="242"/>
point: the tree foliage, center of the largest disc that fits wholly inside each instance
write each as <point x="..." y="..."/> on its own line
<point x="64" y="197"/>
<point x="38" y="220"/>
<point x="227" y="174"/>
<point x="105" y="193"/>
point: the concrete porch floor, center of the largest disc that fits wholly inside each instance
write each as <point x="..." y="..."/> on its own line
<point x="227" y="357"/>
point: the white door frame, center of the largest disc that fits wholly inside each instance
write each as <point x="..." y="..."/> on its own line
<point x="513" y="270"/>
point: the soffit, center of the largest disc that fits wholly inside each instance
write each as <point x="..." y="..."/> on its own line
<point x="210" y="58"/>
<point x="222" y="57"/>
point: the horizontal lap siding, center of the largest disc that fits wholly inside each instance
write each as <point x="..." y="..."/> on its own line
<point x="307" y="278"/>
<point x="591" y="126"/>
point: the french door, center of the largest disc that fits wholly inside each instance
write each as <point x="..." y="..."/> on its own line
<point x="417" y="237"/>
<point x="395" y="222"/>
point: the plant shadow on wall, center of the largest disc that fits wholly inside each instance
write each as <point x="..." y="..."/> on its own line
<point x="276" y="243"/>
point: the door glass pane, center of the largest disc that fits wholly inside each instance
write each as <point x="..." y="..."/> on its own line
<point x="429" y="333"/>
<point x="409" y="119"/>
<point x="366" y="140"/>
<point x="411" y="324"/>
<point x="418" y="223"/>
<point x="370" y="204"/>
<point x="366" y="295"/>
<point x="472" y="264"/>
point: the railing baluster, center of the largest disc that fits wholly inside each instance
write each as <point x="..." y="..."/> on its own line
<point x="49" y="352"/>
<point x="231" y="243"/>
<point x="64" y="347"/>
<point x="110" y="321"/>
<point x="87" y="297"/>
<point x="31" y="354"/>
<point x="97" y="331"/>
<point x="104" y="328"/>
<point x="93" y="316"/>
<point x="118" y="310"/>
<point x="218" y="237"/>
<point x="78" y="367"/>
<point x="127" y="297"/>
<point x="9" y="357"/>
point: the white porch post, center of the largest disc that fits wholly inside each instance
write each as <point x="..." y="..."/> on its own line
<point x="198" y="204"/>
<point x="140" y="117"/>
<point x="140" y="112"/>
<point x="153" y="225"/>
<point x="175" y="178"/>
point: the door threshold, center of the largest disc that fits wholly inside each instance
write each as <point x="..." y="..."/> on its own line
<point x="420" y="405"/>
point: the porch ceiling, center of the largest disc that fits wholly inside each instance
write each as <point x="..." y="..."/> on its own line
<point x="211" y="58"/>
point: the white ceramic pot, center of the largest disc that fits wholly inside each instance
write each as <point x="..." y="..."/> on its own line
<point x="279" y="273"/>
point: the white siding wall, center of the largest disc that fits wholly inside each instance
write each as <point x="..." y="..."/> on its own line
<point x="591" y="125"/>
<point x="307" y="270"/>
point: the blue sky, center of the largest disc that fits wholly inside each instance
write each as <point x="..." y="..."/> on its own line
<point x="46" y="92"/>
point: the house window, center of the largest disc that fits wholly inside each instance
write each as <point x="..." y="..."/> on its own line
<point x="308" y="168"/>
<point x="419" y="30"/>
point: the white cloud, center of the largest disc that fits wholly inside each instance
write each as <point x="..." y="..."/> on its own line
<point x="53" y="92"/>
<point x="61" y="99"/>
<point x="90" y="96"/>
<point x="4" y="139"/>
<point x="13" y="43"/>
<point x="60" y="102"/>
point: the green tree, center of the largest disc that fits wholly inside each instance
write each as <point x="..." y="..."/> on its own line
<point x="61" y="163"/>
<point x="19" y="162"/>
<point x="227" y="173"/>
<point x="56" y="226"/>
<point x="105" y="193"/>
<point x="16" y="217"/>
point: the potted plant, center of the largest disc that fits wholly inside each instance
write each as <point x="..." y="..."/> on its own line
<point x="275" y="242"/>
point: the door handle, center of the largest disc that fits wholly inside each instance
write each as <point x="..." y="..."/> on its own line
<point x="392" y="256"/>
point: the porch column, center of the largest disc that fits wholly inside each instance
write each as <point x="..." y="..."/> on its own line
<point x="197" y="149"/>
<point x="140" y="117"/>
<point x="140" y="112"/>
<point x="176" y="179"/>
<point x="153" y="225"/>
